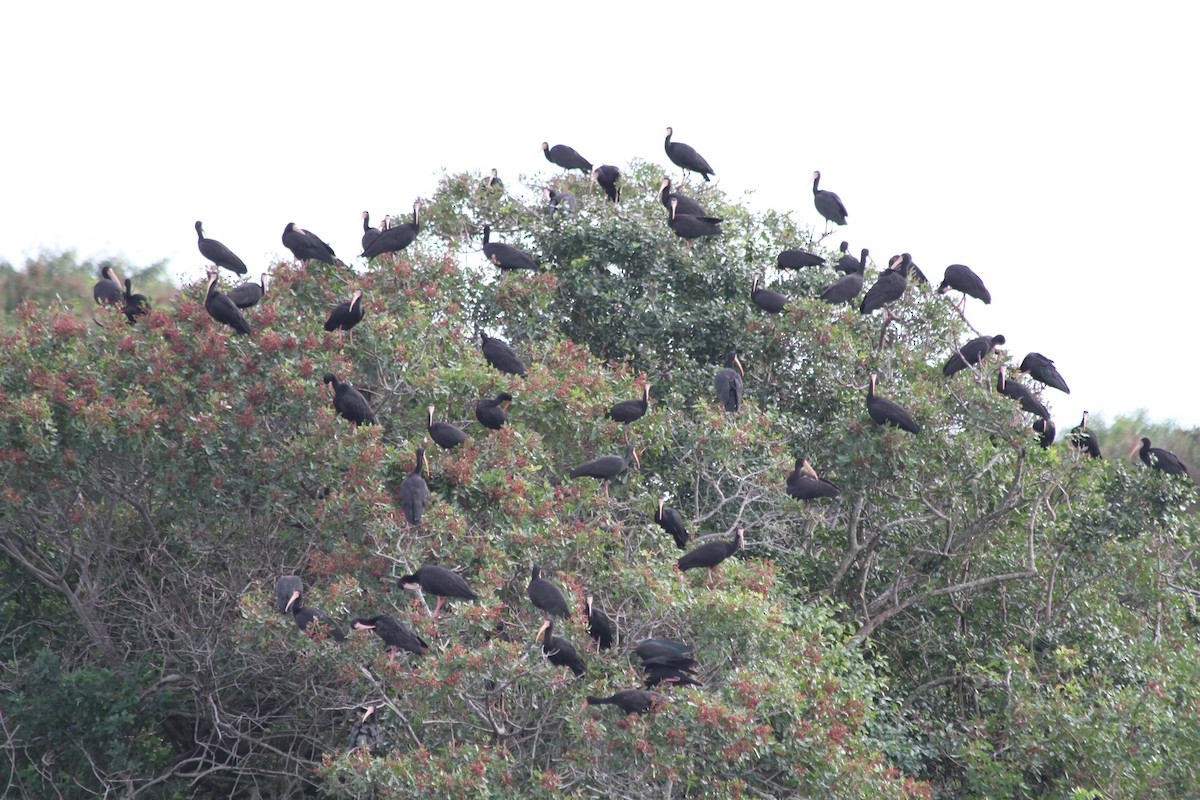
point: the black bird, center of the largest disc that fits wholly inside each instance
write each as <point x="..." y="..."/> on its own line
<point x="847" y="287"/>
<point x="493" y="182"/>
<point x="889" y="287"/>
<point x="688" y="227"/>
<point x="1161" y="459"/>
<point x="1046" y="432"/>
<point x="847" y="263"/>
<point x="667" y="661"/>
<point x="710" y="554"/>
<point x="803" y="483"/>
<point x="218" y="253"/>
<point x="445" y="435"/>
<point x="962" y="279"/>
<point x="247" y="295"/>
<point x="1042" y="369"/>
<point x="505" y="256"/>
<point x="136" y="305"/>
<point x="607" y="176"/>
<point x="559" y="651"/>
<point x="498" y="354"/>
<point x="439" y="582"/>
<point x="346" y="315"/>
<point x="885" y="412"/>
<point x="307" y="246"/>
<point x="365" y="733"/>
<point x="628" y="411"/>
<point x="414" y="492"/>
<point x="349" y="402"/>
<point x="1021" y="393"/>
<point x="728" y="382"/>
<point x="395" y="238"/>
<point x="798" y="259"/>
<point x="370" y="234"/>
<point x="971" y="353"/>
<point x="769" y="301"/>
<point x="284" y="589"/>
<point x="1084" y="439"/>
<point x="599" y="625"/>
<point x="395" y="634"/>
<point x="221" y="308"/>
<point x="686" y="158"/>
<point x="605" y="468"/>
<point x="305" y="615"/>
<point x="107" y="290"/>
<point x="664" y="673"/>
<point x="560" y="201"/>
<point x="686" y="205"/>
<point x="904" y="264"/>
<point x="631" y="701"/>
<point x="671" y="521"/>
<point x="566" y="157"/>
<point x="545" y="595"/>
<point x="491" y="413"/>
<point x="828" y="204"/>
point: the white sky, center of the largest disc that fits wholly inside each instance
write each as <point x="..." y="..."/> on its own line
<point x="1052" y="147"/>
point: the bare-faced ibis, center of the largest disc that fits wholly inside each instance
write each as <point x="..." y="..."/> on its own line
<point x="961" y="279"/>
<point x="686" y="158"/>
<point x="221" y="308"/>
<point x="631" y="701"/>
<point x="599" y="625"/>
<point x="728" y="382"/>
<point x="971" y="353"/>
<point x="505" y="256"/>
<point x="285" y="587"/>
<point x="607" y="176"/>
<point x="304" y="615"/>
<point x="605" y="468"/>
<point x="888" y="288"/>
<point x="491" y="413"/>
<point x="349" y="402"/>
<point x="247" y="295"/>
<point x="828" y="204"/>
<point x="414" y="492"/>
<point x="1046" y="432"/>
<point x="566" y="157"/>
<point x="365" y="733"/>
<point x="798" y="259"/>
<point x="769" y="301"/>
<point x="1021" y="393"/>
<point x="1085" y="440"/>
<point x="628" y="411"/>
<point x="803" y="483"/>
<point x="886" y="412"/>
<point x="560" y="201"/>
<point x="394" y="633"/>
<point x="218" y="253"/>
<point x="710" y="554"/>
<point x="559" y="651"/>
<point x="445" y="435"/>
<point x="396" y="237"/>
<point x="671" y="521"/>
<point x="688" y="227"/>
<point x="1042" y="369"/>
<point x="847" y="287"/>
<point x="439" y="582"/>
<point x="134" y="305"/>
<point x="307" y="246"/>
<point x="1161" y="459"/>
<point x="545" y="595"/>
<point x="501" y="356"/>
<point x="369" y="234"/>
<point x="107" y="291"/>
<point x="684" y="204"/>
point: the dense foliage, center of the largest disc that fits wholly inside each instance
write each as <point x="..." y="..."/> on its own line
<point x="974" y="617"/>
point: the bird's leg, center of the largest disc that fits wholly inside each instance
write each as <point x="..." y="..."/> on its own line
<point x="437" y="610"/>
<point x="710" y="577"/>
<point x="962" y="304"/>
<point x="605" y="482"/>
<point x="392" y="659"/>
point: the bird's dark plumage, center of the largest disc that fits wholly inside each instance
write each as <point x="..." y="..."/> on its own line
<point x="599" y="625"/>
<point x="284" y="587"/>
<point x="769" y="301"/>
<point x="347" y="314"/>
<point x="492" y="182"/>
<point x="828" y="204"/>
<point x="684" y="204"/>
<point x="505" y="256"/>
<point x="369" y="234"/>
<point x="491" y="413"/>
<point x="628" y="411"/>
<point x="712" y="553"/>
<point x="605" y="468"/>
<point x="218" y="253"/>
<point x="306" y="615"/>
<point x="349" y="402"/>
<point x="134" y="305"/>
<point x="1021" y="393"/>
<point x="847" y="287"/>
<point x="394" y="633"/>
<point x="501" y="356"/>
<point x="847" y="263"/>
<point x="688" y="227"/>
<point x="414" y="492"/>
<point x="247" y="295"/>
<point x="803" y="483"/>
<point x="1085" y="440"/>
<point x="888" y="288"/>
<point x="671" y="521"/>
<point x="607" y="176"/>
<point x="1042" y="369"/>
<point x="962" y="279"/>
<point x="728" y="383"/>
<point x="546" y="596"/>
<point x="439" y="582"/>
<point x="566" y="157"/>
<point x="395" y="238"/>
<point x="560" y="201"/>
<point x="559" y="651"/>
<point x="107" y="290"/>
<point x="365" y="733"/>
<point x="685" y="157"/>
<point x="444" y="434"/>
<point x="798" y="259"/>
<point x="307" y="246"/>
<point x="1161" y="459"/>
<point x="631" y="701"/>
<point x="221" y="308"/>
<point x="971" y="353"/>
<point x="1046" y="432"/>
<point x="886" y="412"/>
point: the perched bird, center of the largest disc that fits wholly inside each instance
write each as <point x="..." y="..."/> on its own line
<point x="688" y="227"/>
<point x="365" y="733"/>
<point x="285" y="587"/>
<point x="628" y="411"/>
<point x="904" y="264"/>
<point x="686" y="158"/>
<point x="847" y="263"/>
<point x="599" y="625"/>
<point x="828" y="204"/>
<point x="1161" y="459"/>
<point x="560" y="201"/>
<point x="888" y="288"/>
<point x="712" y="553"/>
<point x="247" y="295"/>
<point x="803" y="483"/>
<point x="304" y="616"/>
<point x="445" y="435"/>
<point x="493" y="182"/>
<point x="847" y="287"/>
<point x="135" y="305"/>
<point x="769" y="301"/>
<point x="962" y="279"/>
<point x="558" y="651"/>
<point x="491" y="413"/>
<point x="414" y="492"/>
<point x="885" y="412"/>
<point x="218" y="253"/>
<point x="685" y="204"/>
<point x="971" y="353"/>
<point x="349" y="402"/>
<point x="798" y="259"/>
<point x="307" y="246"/>
<point x="369" y="234"/>
<point x="394" y="633"/>
<point x="346" y="315"/>
<point x="667" y="661"/>
<point x="505" y="256"/>
<point x="545" y="595"/>
<point x="1084" y="439"/>
<point x="605" y="468"/>
<point x="566" y="157"/>
<point x="1021" y="393"/>
<point x="107" y="290"/>
<point x="631" y="701"/>
<point x="728" y="382"/>
<point x="671" y="521"/>
<point x="395" y="238"/>
<point x="607" y="176"/>
<point x="1046" y="432"/>
<point x="439" y="582"/>
<point x="499" y="355"/>
<point x="221" y="308"/>
<point x="1042" y="369"/>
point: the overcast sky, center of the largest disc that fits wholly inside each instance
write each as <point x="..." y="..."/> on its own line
<point x="1052" y="147"/>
